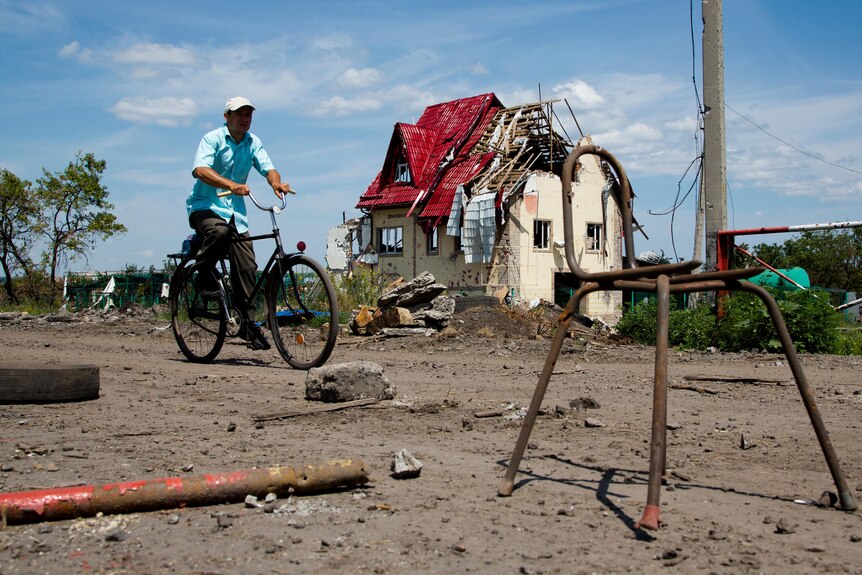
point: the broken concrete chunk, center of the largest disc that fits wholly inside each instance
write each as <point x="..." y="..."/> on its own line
<point x="348" y="382"/>
<point x="584" y="403"/>
<point x="437" y="314"/>
<point x="420" y="289"/>
<point x="405" y="465"/>
<point x="592" y="422"/>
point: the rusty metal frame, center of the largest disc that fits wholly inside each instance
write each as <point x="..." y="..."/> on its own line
<point x="662" y="280"/>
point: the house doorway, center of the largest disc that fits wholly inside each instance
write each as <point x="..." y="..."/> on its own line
<point x="565" y="284"/>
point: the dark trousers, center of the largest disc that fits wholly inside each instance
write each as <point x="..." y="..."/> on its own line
<point x="217" y="237"/>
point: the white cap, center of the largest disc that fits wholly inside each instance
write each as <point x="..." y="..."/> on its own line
<point x="236" y="103"/>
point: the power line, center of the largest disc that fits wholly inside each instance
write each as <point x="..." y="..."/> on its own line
<point x="788" y="144"/>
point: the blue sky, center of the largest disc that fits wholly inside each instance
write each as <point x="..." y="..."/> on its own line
<point x="138" y="83"/>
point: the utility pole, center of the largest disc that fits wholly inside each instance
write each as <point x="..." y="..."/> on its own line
<point x="714" y="142"/>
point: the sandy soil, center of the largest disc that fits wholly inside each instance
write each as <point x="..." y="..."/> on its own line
<point x="578" y="496"/>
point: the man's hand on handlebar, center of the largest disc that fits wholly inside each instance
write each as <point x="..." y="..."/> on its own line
<point x="239" y="189"/>
<point x="281" y="188"/>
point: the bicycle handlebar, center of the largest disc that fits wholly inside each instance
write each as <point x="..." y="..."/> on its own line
<point x="274" y="208"/>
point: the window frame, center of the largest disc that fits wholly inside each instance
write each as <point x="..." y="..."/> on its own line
<point x="432" y="242"/>
<point x="546" y="234"/>
<point x="593" y="241"/>
<point x="401" y="175"/>
<point x="397" y="241"/>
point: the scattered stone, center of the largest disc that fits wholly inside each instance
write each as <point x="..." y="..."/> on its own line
<point x="251" y="502"/>
<point x="115" y="534"/>
<point x="173" y="519"/>
<point x="716" y="535"/>
<point x="745" y="442"/>
<point x="673" y="426"/>
<point x="231" y="427"/>
<point x="783" y="527"/>
<point x="405" y="465"/>
<point x="584" y="403"/>
<point x="348" y="382"/>
<point x="593" y="422"/>
<point x="855" y="538"/>
<point x="223" y="521"/>
<point x="827" y="499"/>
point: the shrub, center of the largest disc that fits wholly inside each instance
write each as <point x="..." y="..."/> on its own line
<point x="745" y="324"/>
<point x="849" y="342"/>
<point x="362" y="287"/>
<point x="639" y="322"/>
<point x="692" y="328"/>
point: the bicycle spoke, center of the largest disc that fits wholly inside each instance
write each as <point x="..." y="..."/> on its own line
<point x="199" y="324"/>
<point x="303" y="314"/>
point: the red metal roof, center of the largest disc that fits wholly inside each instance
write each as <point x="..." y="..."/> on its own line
<point x="437" y="151"/>
<point x="440" y="203"/>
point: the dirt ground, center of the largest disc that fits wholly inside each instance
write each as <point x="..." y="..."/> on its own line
<point x="578" y="495"/>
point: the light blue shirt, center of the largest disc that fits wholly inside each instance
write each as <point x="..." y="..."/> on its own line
<point x="231" y="160"/>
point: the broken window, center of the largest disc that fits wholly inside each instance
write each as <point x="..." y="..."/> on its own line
<point x="390" y="240"/>
<point x="542" y="234"/>
<point x="402" y="171"/>
<point x="431" y="242"/>
<point x="594" y="237"/>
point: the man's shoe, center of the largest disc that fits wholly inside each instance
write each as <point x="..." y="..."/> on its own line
<point x="207" y="287"/>
<point x="252" y="334"/>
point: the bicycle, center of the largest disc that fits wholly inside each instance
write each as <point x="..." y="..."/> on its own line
<point x="300" y="301"/>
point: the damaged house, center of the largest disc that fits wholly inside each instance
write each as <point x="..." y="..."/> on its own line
<point x="471" y="193"/>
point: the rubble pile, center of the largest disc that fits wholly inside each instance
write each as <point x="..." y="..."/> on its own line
<point x="414" y="307"/>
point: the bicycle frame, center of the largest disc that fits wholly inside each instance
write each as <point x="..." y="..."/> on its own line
<point x="275" y="259"/>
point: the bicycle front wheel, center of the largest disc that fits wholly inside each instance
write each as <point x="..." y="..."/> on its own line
<point x="302" y="311"/>
<point x="199" y="323"/>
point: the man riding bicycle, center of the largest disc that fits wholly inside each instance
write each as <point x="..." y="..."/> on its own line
<point x="223" y="161"/>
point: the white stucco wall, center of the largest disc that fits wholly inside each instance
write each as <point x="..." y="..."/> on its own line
<point x="537" y="267"/>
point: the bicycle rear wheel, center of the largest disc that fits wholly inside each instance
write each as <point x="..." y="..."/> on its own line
<point x="302" y="311"/>
<point x="199" y="324"/>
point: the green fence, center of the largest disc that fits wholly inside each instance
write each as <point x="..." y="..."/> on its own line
<point x="144" y="289"/>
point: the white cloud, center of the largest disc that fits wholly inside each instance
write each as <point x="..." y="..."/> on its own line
<point x="580" y="95"/>
<point x="23" y="18"/>
<point x="168" y="111"/>
<point x="74" y="50"/>
<point x="340" y="106"/>
<point x="70" y="50"/>
<point x="155" y="54"/>
<point x="360" y="78"/>
<point x="687" y="124"/>
<point x="479" y="69"/>
<point x="332" y="42"/>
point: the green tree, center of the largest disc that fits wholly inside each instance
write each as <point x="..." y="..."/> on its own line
<point x="75" y="210"/>
<point x="18" y="226"/>
<point x="832" y="258"/>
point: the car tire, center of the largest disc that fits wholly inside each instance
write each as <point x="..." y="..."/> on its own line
<point x="31" y="383"/>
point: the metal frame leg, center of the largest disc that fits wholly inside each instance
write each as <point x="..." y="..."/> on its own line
<point x="651" y="518"/>
<point x="845" y="497"/>
<point x="508" y="483"/>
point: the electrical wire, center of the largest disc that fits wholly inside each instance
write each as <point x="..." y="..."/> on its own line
<point x="788" y="144"/>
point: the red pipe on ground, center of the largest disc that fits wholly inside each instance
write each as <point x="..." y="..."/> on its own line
<point x="172" y="492"/>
